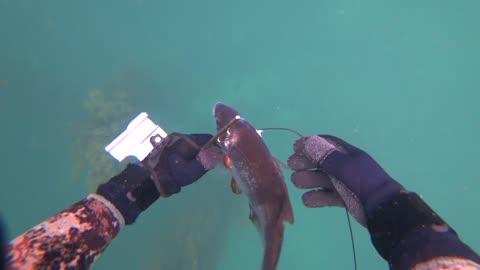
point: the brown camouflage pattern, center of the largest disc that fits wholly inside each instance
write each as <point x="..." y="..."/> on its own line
<point x="72" y="239"/>
<point x="447" y="263"/>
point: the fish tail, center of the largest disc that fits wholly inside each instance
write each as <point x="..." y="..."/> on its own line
<point x="273" y="240"/>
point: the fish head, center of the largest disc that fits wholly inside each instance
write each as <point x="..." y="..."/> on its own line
<point x="223" y="114"/>
<point x="231" y="127"/>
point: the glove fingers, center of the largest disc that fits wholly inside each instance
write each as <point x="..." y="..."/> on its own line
<point x="200" y="139"/>
<point x="311" y="179"/>
<point x="322" y="198"/>
<point x="299" y="161"/>
<point x="184" y="171"/>
<point x="188" y="146"/>
<point x="318" y="148"/>
<point x="299" y="145"/>
<point x="340" y="144"/>
<point x="210" y="157"/>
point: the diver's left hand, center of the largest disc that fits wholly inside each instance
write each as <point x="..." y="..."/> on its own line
<point x="340" y="174"/>
<point x="172" y="164"/>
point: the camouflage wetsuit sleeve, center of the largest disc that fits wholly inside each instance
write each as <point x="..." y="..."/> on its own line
<point x="72" y="239"/>
<point x="448" y="264"/>
<point x="439" y="263"/>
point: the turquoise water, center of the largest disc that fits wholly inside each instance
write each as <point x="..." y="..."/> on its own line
<point x="400" y="80"/>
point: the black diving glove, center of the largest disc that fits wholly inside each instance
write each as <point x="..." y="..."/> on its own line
<point x="341" y="175"/>
<point x="403" y="228"/>
<point x="171" y="165"/>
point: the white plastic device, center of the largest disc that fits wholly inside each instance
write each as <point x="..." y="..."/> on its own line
<point x="135" y="140"/>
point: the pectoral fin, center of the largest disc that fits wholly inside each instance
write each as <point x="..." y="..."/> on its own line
<point x="252" y="215"/>
<point x="254" y="219"/>
<point x="235" y="187"/>
<point x="280" y="163"/>
<point x="227" y="162"/>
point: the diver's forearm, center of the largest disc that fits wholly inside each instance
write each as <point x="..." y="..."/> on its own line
<point x="409" y="235"/>
<point x="72" y="239"/>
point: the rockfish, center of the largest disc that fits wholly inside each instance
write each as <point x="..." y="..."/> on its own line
<point x="257" y="174"/>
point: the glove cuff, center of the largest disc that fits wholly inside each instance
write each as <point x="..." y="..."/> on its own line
<point x="400" y="227"/>
<point x="131" y="192"/>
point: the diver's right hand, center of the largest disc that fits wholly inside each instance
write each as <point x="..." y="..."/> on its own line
<point x="341" y="175"/>
<point x="172" y="164"/>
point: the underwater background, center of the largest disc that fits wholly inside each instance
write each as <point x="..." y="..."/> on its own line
<point x="398" y="79"/>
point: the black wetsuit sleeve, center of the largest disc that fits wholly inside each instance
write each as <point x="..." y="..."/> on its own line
<point x="408" y="233"/>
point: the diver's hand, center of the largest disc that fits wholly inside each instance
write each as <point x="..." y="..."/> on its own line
<point x="341" y="175"/>
<point x="171" y="165"/>
<point x="174" y="163"/>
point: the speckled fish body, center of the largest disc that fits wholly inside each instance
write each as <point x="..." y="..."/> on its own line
<point x="259" y="177"/>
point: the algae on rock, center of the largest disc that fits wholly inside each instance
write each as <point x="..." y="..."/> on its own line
<point x="194" y="236"/>
<point x="106" y="116"/>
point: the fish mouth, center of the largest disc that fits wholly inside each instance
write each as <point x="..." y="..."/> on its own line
<point x="223" y="114"/>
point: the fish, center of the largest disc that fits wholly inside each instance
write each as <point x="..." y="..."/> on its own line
<point x="256" y="174"/>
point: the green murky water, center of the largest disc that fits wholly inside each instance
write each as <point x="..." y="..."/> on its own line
<point x="397" y="79"/>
